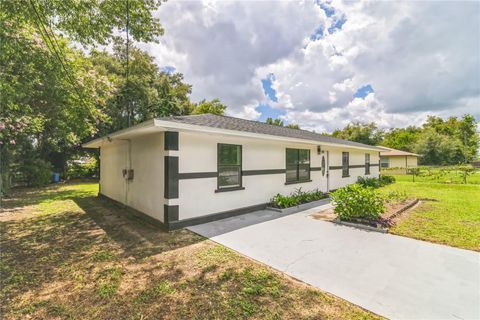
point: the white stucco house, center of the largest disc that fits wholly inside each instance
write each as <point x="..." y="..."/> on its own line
<point x="184" y="170"/>
<point x="393" y="158"/>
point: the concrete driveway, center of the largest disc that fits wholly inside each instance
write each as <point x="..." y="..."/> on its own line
<point x="396" y="277"/>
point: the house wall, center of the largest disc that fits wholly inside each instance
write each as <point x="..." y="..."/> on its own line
<point x="198" y="154"/>
<point x="402" y="161"/>
<point x="145" y="192"/>
<point x="356" y="159"/>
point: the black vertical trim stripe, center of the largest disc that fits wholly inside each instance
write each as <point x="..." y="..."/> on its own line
<point x="171" y="177"/>
<point x="170" y="214"/>
<point x="171" y="140"/>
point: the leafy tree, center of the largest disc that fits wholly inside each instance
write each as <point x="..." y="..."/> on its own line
<point x="41" y="105"/>
<point x="279" y="122"/>
<point x="438" y="149"/>
<point x="51" y="95"/>
<point x="293" y="126"/>
<point x="367" y="133"/>
<point x="147" y="93"/>
<point x="89" y="22"/>
<point x="464" y="130"/>
<point x="213" y="107"/>
<point x="468" y="135"/>
<point x="276" y="122"/>
<point x="401" y="138"/>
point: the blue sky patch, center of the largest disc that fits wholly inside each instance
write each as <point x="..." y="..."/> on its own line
<point x="267" y="87"/>
<point x="317" y="34"/>
<point x="329" y="10"/>
<point x="337" y="24"/>
<point x="364" y="91"/>
<point x="168" y="69"/>
<point x="268" y="112"/>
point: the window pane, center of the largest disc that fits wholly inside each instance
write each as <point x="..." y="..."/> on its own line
<point x="292" y="156"/>
<point x="303" y="156"/>
<point x="345" y="163"/>
<point x="291" y="173"/>
<point x="304" y="172"/>
<point x="298" y="164"/>
<point x="229" y="154"/>
<point x="367" y="163"/>
<point x="229" y="176"/>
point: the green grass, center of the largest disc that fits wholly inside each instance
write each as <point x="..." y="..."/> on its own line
<point x="450" y="217"/>
<point x="66" y="254"/>
<point x="437" y="175"/>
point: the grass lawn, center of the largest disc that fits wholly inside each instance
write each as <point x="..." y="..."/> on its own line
<point x="435" y="176"/>
<point x="65" y="254"/>
<point x="452" y="218"/>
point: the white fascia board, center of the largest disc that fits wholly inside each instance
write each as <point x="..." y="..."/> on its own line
<point x="137" y="130"/>
<point x="169" y="125"/>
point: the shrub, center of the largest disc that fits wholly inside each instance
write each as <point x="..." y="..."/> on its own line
<point x="374" y="182"/>
<point x="82" y="170"/>
<point x="357" y="202"/>
<point x="386" y="180"/>
<point x="37" y="172"/>
<point x="296" y="198"/>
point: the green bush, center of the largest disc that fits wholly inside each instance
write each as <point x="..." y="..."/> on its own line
<point x="82" y="170"/>
<point x="37" y="172"/>
<point x="386" y="180"/>
<point x="296" y="198"/>
<point x="374" y="182"/>
<point x="357" y="202"/>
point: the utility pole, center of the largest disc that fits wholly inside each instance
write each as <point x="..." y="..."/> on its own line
<point x="129" y="111"/>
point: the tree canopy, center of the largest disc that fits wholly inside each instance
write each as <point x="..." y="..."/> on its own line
<point x="367" y="133"/>
<point x="58" y="90"/>
<point x="439" y="141"/>
<point x="279" y="122"/>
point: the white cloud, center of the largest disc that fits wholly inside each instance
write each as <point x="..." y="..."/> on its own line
<point x="420" y="57"/>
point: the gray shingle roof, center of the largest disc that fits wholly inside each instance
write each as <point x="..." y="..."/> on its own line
<point x="237" y="124"/>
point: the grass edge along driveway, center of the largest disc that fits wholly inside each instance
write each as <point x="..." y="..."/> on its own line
<point x="449" y="216"/>
<point x="67" y="254"/>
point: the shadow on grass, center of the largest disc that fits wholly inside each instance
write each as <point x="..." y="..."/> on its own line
<point x="135" y="236"/>
<point x="35" y="251"/>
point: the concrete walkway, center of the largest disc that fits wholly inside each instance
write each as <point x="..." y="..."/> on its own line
<point x="396" y="277"/>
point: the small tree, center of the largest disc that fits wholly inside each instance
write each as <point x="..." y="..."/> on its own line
<point x="465" y="171"/>
<point x="414" y="172"/>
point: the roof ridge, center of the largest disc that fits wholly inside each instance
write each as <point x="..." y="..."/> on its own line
<point x="285" y="130"/>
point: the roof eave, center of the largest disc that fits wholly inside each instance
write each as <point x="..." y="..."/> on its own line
<point x="157" y="125"/>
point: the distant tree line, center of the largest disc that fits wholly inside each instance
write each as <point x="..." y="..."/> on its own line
<point x="279" y="122"/>
<point x="438" y="141"/>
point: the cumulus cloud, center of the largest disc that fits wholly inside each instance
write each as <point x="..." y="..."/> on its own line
<point x="419" y="58"/>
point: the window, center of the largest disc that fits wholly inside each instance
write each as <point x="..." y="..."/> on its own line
<point x="229" y="164"/>
<point x="367" y="163"/>
<point x="384" y="162"/>
<point x="345" y="161"/>
<point x="298" y="165"/>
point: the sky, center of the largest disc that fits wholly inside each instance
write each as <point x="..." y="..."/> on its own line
<point x="324" y="64"/>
